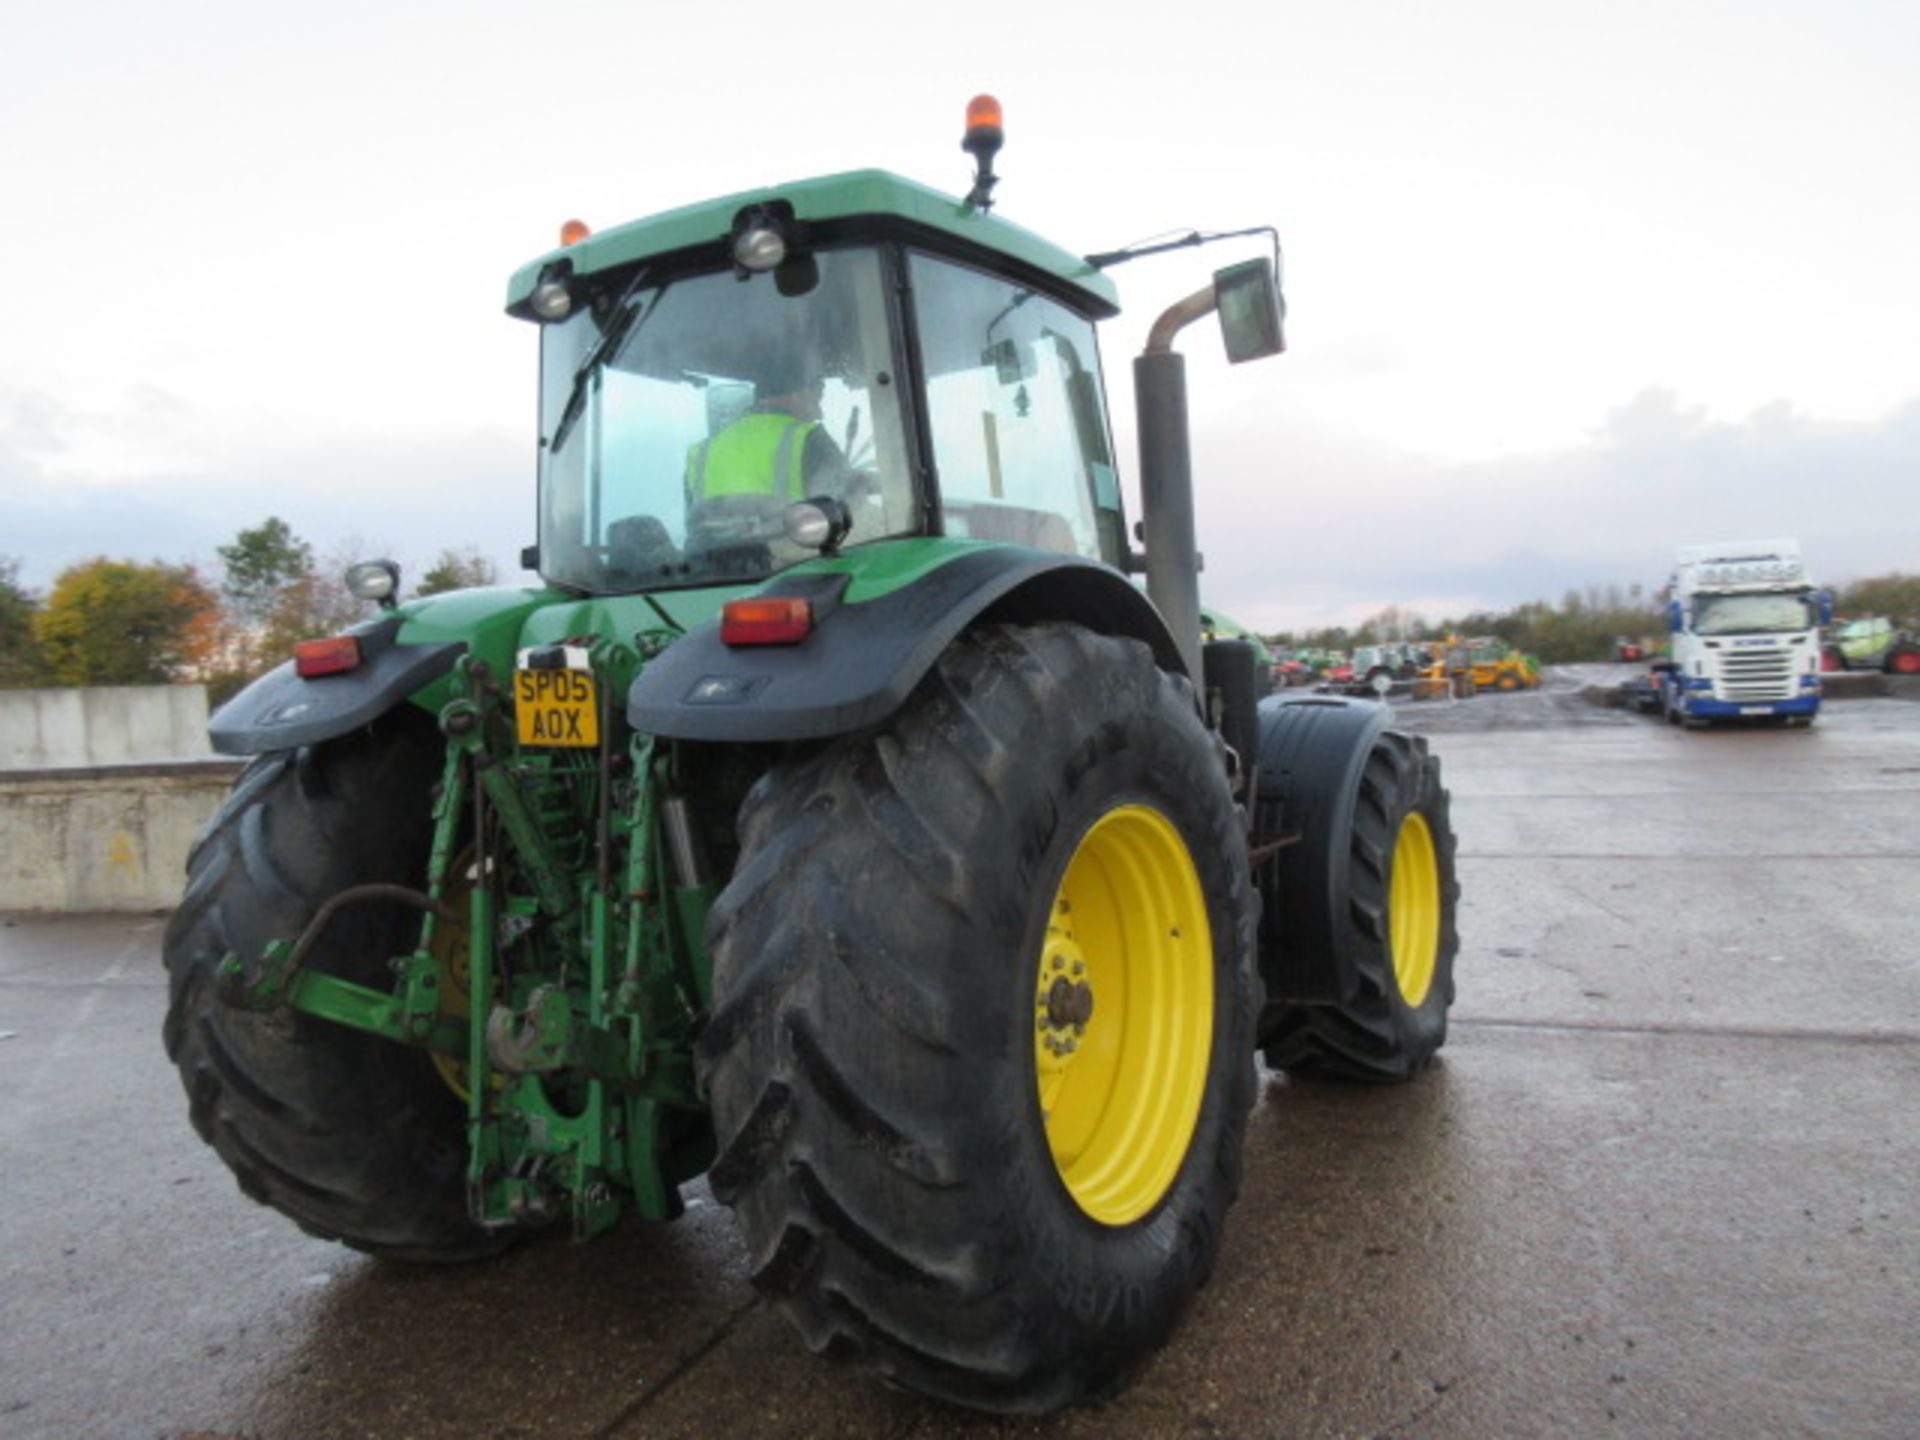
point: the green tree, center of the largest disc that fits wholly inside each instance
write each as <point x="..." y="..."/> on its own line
<point x="19" y="650"/>
<point x="1895" y="596"/>
<point x="262" y="564"/>
<point x="275" y="597"/>
<point x="464" y="569"/>
<point x="1390" y="624"/>
<point x="119" y="622"/>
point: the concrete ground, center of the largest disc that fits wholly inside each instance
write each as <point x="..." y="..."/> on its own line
<point x="1658" y="1185"/>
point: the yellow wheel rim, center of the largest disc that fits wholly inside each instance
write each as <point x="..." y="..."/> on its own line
<point x="1413" y="909"/>
<point x="1123" y="1009"/>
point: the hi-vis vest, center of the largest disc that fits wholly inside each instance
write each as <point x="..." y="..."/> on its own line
<point x="758" y="454"/>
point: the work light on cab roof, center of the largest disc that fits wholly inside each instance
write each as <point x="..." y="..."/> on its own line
<point x="552" y="298"/>
<point x="759" y="241"/>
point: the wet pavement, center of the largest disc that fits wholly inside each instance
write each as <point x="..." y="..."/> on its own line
<point x="1662" y="1181"/>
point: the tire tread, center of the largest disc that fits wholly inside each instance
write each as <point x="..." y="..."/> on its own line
<point x="352" y="1137"/>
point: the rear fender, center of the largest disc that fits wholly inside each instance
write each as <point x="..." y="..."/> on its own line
<point x="282" y="710"/>
<point x="1313" y="751"/>
<point x="405" y="655"/>
<point x="864" y="657"/>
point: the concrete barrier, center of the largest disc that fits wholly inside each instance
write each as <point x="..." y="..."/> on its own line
<point x="106" y="725"/>
<point x="103" y="837"/>
<point x="101" y="793"/>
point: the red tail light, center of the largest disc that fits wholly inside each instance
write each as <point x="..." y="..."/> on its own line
<point x="331" y="656"/>
<point x="766" y="620"/>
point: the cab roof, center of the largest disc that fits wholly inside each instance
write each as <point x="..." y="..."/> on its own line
<point x="874" y="195"/>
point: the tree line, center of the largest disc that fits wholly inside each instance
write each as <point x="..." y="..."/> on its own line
<point x="128" y="622"/>
<point x="1586" y="622"/>
<point x="125" y="622"/>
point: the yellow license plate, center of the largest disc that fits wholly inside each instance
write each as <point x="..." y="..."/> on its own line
<point x="556" y="707"/>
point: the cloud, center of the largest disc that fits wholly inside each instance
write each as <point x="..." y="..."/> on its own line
<point x="30" y="426"/>
<point x="1301" y="527"/>
<point x="1320" y="531"/>
<point x="62" y="501"/>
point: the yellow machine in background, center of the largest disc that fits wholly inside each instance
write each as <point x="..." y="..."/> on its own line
<point x="1498" y="666"/>
<point x="1448" y="671"/>
<point x="1462" y="667"/>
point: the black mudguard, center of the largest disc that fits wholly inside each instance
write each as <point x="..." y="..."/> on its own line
<point x="281" y="710"/>
<point x="862" y="660"/>
<point x="1313" y="749"/>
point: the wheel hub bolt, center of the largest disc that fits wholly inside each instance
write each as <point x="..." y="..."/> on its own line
<point x="1069" y="1003"/>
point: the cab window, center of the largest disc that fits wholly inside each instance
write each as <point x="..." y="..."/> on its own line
<point x="1018" y="430"/>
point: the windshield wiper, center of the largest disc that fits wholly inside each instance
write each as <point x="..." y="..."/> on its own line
<point x="618" y="330"/>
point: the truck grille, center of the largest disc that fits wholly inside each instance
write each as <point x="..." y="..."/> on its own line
<point x="1756" y="675"/>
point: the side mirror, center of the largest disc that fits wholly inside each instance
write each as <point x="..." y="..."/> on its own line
<point x="1251" y="310"/>
<point x="1826" y="607"/>
<point x="1676" y="618"/>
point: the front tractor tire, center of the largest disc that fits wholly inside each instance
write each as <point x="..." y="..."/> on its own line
<point x="355" y="1138"/>
<point x="1363" y="900"/>
<point x="981" y="1056"/>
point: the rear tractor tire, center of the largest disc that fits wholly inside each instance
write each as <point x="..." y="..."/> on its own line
<point x="982" y="1050"/>
<point x="355" y="1138"/>
<point x="1359" y="939"/>
<point x="1903" y="660"/>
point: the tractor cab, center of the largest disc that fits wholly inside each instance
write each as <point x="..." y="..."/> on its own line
<point x="731" y="390"/>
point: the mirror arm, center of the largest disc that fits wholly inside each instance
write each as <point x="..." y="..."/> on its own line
<point x="1177" y="317"/>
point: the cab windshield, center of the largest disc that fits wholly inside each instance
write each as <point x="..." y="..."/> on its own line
<point x="1751" y="614"/>
<point x="681" y="422"/>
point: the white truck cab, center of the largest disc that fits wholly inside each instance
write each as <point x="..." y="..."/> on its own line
<point x="1746" y="624"/>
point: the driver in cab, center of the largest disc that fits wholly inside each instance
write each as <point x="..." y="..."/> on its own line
<point x="777" y="451"/>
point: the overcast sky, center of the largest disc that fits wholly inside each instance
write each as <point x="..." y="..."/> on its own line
<point x="1568" y="283"/>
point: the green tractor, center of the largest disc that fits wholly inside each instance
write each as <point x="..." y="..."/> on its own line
<point x="870" y="845"/>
